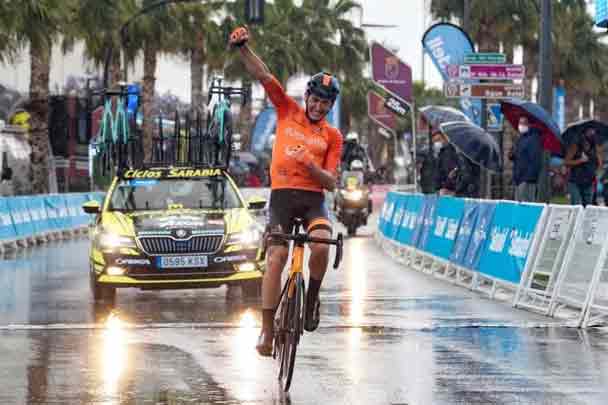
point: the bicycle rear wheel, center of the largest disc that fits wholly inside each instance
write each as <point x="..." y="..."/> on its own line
<point x="291" y="317"/>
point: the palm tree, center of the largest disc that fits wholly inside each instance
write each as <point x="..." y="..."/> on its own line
<point x="151" y="33"/>
<point x="98" y="23"/>
<point x="38" y="23"/>
<point x="198" y="32"/>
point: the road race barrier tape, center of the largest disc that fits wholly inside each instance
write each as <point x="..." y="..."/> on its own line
<point x="515" y="228"/>
<point x="579" y="279"/>
<point x="26" y="220"/>
<point x="537" y="285"/>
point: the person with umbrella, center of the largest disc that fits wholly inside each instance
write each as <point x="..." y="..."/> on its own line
<point x="454" y="175"/>
<point x="527" y="155"/>
<point x="584" y="158"/>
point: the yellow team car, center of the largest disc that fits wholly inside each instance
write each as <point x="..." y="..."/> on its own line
<point x="174" y="227"/>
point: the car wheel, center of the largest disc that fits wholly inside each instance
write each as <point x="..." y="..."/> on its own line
<point x="252" y="288"/>
<point x="101" y="292"/>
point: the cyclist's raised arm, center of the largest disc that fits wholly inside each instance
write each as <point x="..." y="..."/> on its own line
<point x="252" y="62"/>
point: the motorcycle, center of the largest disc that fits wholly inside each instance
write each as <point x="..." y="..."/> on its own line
<point x="353" y="207"/>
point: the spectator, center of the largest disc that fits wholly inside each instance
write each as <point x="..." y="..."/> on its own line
<point x="527" y="157"/>
<point x="447" y="165"/>
<point x="583" y="157"/>
<point x="252" y="180"/>
<point x="6" y="183"/>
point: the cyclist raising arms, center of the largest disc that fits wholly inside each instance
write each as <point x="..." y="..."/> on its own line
<point x="305" y="157"/>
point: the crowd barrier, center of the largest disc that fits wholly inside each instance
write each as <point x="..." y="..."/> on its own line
<point x="550" y="259"/>
<point x="27" y="220"/>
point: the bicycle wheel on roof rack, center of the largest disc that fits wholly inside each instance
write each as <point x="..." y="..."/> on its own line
<point x="226" y="142"/>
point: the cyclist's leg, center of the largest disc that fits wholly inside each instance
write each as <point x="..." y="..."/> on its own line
<point x="319" y="226"/>
<point x="280" y="220"/>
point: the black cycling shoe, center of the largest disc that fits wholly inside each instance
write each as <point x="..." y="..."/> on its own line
<point x="264" y="346"/>
<point x="313" y="317"/>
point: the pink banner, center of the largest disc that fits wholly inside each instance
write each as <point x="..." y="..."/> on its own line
<point x="391" y="73"/>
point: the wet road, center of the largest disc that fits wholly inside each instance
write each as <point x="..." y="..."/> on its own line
<point x="387" y="336"/>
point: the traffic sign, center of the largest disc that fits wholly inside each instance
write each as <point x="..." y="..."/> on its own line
<point x="391" y="73"/>
<point x="485" y="58"/>
<point x="483" y="90"/>
<point x="495" y="117"/>
<point x="487" y="71"/>
<point x="395" y="105"/>
<point x="378" y="112"/>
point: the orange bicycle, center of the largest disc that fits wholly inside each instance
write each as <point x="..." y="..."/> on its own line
<point x="289" y="321"/>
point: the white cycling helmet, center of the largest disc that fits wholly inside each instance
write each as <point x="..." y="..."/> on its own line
<point x="356" y="165"/>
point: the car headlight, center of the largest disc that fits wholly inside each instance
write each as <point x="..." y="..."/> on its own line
<point x="250" y="236"/>
<point x="353" y="195"/>
<point x="108" y="240"/>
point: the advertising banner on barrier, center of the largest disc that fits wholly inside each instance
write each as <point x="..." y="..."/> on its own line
<point x="480" y="234"/>
<point x="39" y="218"/>
<point x="408" y="224"/>
<point x="449" y="213"/>
<point x="505" y="253"/>
<point x="77" y="216"/>
<point x="392" y="226"/>
<point x="419" y="222"/>
<point x="57" y="212"/>
<point x="386" y="214"/>
<point x="400" y="207"/>
<point x="21" y="216"/>
<point x="429" y="222"/>
<point x="7" y="229"/>
<point x="467" y="224"/>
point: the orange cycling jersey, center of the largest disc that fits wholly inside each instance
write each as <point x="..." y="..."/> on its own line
<point x="322" y="142"/>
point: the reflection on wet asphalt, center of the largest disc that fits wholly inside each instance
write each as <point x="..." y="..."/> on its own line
<point x="387" y="336"/>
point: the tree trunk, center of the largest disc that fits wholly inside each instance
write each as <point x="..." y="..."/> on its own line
<point x="38" y="107"/>
<point x="115" y="72"/>
<point x="197" y="60"/>
<point x="148" y="99"/>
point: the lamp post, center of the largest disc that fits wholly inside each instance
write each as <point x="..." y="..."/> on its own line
<point x="546" y="88"/>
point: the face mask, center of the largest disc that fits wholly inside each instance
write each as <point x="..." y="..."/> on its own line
<point x="523" y="129"/>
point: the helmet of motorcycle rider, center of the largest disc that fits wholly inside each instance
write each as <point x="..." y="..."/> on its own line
<point x="352" y="136"/>
<point x="356" y="165"/>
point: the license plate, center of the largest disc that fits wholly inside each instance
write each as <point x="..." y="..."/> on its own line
<point x="175" y="262"/>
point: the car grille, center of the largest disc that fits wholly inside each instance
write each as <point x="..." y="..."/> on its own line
<point x="168" y="246"/>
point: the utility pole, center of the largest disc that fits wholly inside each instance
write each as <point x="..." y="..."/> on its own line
<point x="466" y="16"/>
<point x="546" y="88"/>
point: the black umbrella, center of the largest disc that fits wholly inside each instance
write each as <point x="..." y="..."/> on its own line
<point x="436" y="115"/>
<point x="571" y="133"/>
<point x="475" y="143"/>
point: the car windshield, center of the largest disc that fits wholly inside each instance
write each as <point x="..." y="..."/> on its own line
<point x="162" y="194"/>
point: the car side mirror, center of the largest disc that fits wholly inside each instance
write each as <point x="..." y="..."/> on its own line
<point x="256" y="203"/>
<point x="91" y="207"/>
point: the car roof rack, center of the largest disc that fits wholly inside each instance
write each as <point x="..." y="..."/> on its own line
<point x="179" y="140"/>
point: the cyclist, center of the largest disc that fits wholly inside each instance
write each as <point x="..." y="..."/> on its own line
<point x="305" y="158"/>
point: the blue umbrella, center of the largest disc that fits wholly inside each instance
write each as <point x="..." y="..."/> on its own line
<point x="513" y="109"/>
<point x="475" y="143"/>
<point x="436" y="115"/>
<point x="577" y="128"/>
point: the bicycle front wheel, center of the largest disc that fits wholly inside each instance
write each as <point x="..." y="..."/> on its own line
<point x="292" y="331"/>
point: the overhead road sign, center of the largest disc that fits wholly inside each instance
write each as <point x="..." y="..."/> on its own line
<point x="487" y="72"/>
<point x="485" y="58"/>
<point x="483" y="90"/>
